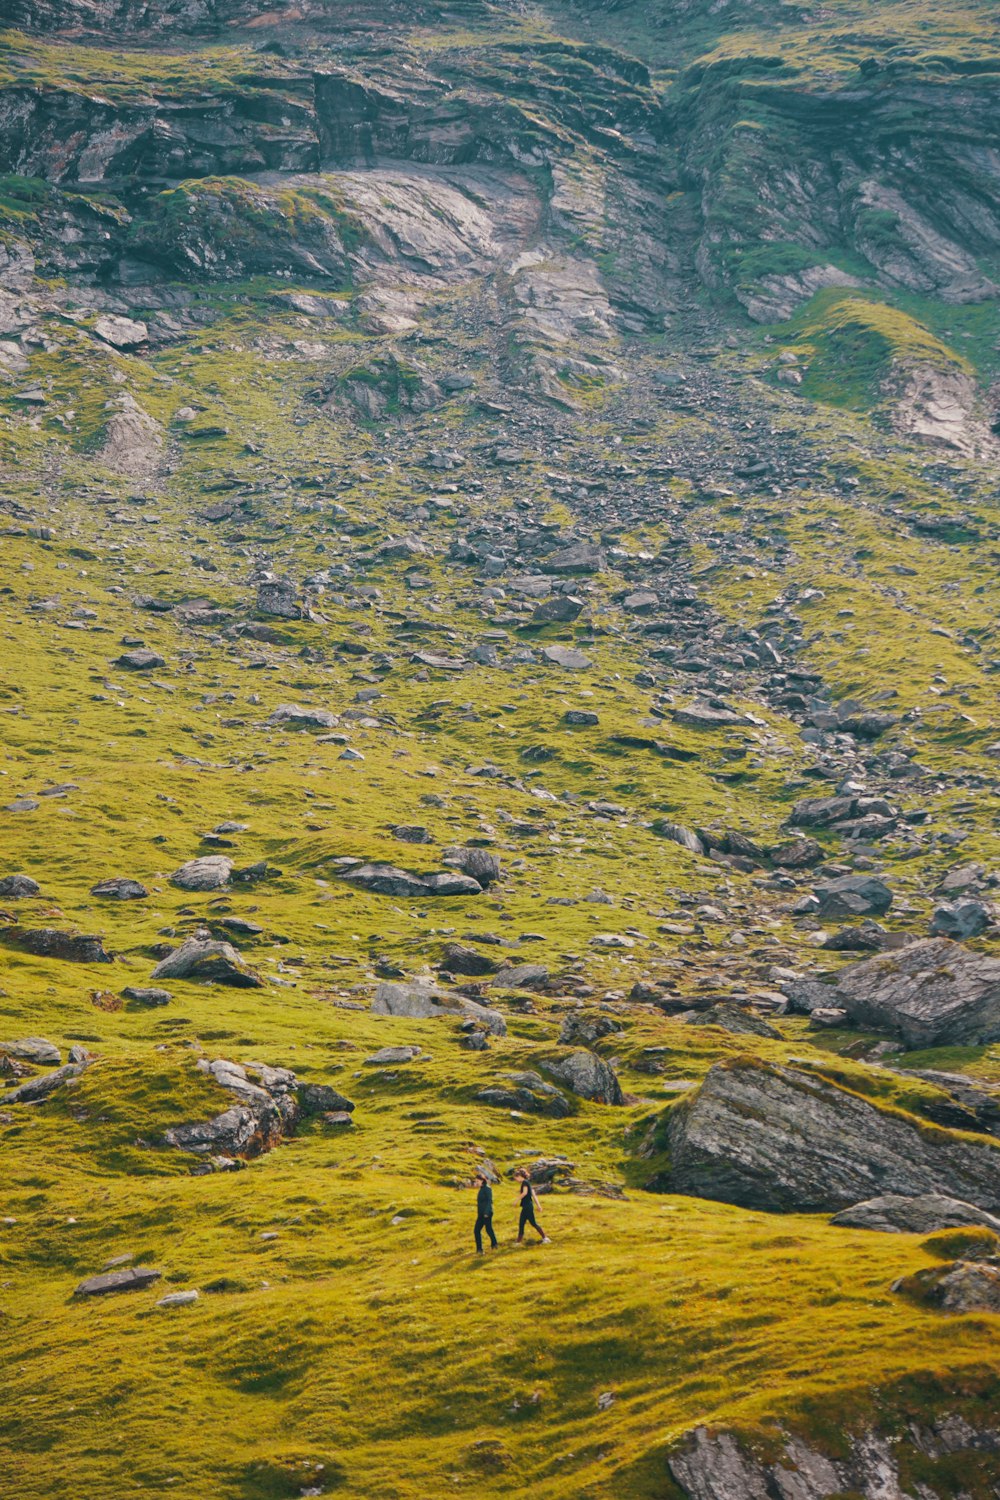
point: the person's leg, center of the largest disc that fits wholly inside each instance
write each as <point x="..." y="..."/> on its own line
<point x="536" y="1227"/>
<point x="479" y="1233"/>
<point x="489" y="1231"/>
<point x="520" y="1225"/>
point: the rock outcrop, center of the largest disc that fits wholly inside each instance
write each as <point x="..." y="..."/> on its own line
<point x="787" y="1140"/>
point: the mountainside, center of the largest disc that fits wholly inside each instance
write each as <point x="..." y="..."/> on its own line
<point x="500" y="658"/>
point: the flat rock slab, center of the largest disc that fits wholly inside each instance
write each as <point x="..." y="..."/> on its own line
<point x="129" y="1279"/>
<point x="294" y="716"/>
<point x="119" y="888"/>
<point x="389" y="880"/>
<point x="49" y="942"/>
<point x="567" y="657"/>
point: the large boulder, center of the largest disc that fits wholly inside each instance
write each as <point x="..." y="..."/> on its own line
<point x="201" y="957"/>
<point x="128" y="1279"/>
<point x="853" y="896"/>
<point x="37" y="1089"/>
<point x="589" y="1076"/>
<point x="295" y="716"/>
<point x="421" y="1003"/>
<point x="926" y="1213"/>
<point x="119" y="888"/>
<point x="934" y="993"/>
<point x="209" y="872"/>
<point x="49" y="942"/>
<point x="18" y="887"/>
<point x="789" y="1141"/>
<point x="267" y="1109"/>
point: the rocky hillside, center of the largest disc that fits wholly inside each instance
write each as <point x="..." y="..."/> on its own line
<point x="499" y="672"/>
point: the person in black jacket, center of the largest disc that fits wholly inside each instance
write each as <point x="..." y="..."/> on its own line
<point x="527" y="1201"/>
<point x="484" y="1213"/>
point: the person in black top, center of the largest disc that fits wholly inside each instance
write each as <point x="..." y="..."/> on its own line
<point x="528" y="1200"/>
<point x="484" y="1213"/>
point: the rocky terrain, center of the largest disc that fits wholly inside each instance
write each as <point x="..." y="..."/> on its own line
<point x="499" y="671"/>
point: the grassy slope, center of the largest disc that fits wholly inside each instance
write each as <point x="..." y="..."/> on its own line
<point x="383" y="1350"/>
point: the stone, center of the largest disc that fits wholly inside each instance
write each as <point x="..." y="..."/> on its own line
<point x="678" y="834"/>
<point x="520" y="977"/>
<point x="129" y="1279"/>
<point x="736" y="1019"/>
<point x="35" y="1049"/>
<point x="119" y="888"/>
<point x="178" y="1299"/>
<point x="853" y="896"/>
<point x="209" y="872"/>
<point x="932" y="993"/>
<point x="278" y="598"/>
<point x="480" y="864"/>
<point x="787" y="1140"/>
<point x="797" y="854"/>
<point x="121" y="333"/>
<point x="580" y="718"/>
<point x="294" y="716"/>
<point x="528" y="1093"/>
<point x="146" y="995"/>
<point x="420" y="1003"/>
<point x="140" y="660"/>
<point x="961" y="1286"/>
<point x="49" y="942"/>
<point x="202" y="958"/>
<point x="388" y="1057"/>
<point x="458" y="958"/>
<point x="867" y="937"/>
<point x="581" y="557"/>
<point x="37" y="1089"/>
<point x="18" y="887"/>
<point x="961" y="919"/>
<point x="561" y="609"/>
<point x="705" y="716"/>
<point x="589" y="1076"/>
<point x="827" y="1018"/>
<point x="567" y="657"/>
<point x="584" y="1028"/>
<point x="924" y="1213"/>
<point x="317" y="1098"/>
<point x="388" y="880"/>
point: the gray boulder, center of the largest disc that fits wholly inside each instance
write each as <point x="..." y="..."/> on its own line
<point x="934" y="993"/>
<point x="926" y="1213"/>
<point x="786" y="1140"/>
<point x="479" y="864"/>
<point x="36" y="1049"/>
<point x="204" y="958"/>
<point x="421" y="1003"/>
<point x="146" y="995"/>
<point x="18" y="887"/>
<point x="520" y="977"/>
<point x="294" y="716"/>
<point x="961" y="919"/>
<point x="853" y="896"/>
<point x="279" y="598"/>
<point x="736" y="1019"/>
<point x="140" y="660"/>
<point x="561" y="609"/>
<point x="390" y="1057"/>
<point x="209" y="872"/>
<point x="960" y="1286"/>
<point x="587" y="1075"/>
<point x="320" y="1098"/>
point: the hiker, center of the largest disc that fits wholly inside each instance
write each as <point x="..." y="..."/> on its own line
<point x="484" y="1213"/>
<point x="527" y="1201"/>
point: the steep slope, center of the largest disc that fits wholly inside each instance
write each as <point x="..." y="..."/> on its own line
<point x="498" y="611"/>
